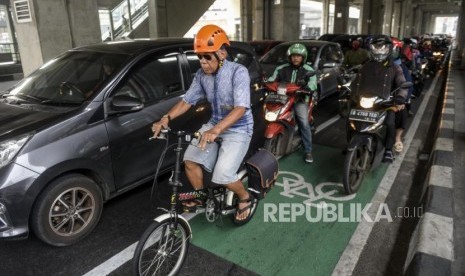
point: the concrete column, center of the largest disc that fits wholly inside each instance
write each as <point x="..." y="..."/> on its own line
<point x="426" y="23"/>
<point x="376" y="17"/>
<point x="418" y="18"/>
<point x="325" y="17"/>
<point x="408" y="18"/>
<point x="341" y="16"/>
<point x="365" y="17"/>
<point x="259" y="20"/>
<point x="285" y="19"/>
<point x="55" y="26"/>
<point x="247" y="18"/>
<point x="396" y="19"/>
<point x="461" y="35"/>
<point x="388" y="12"/>
<point x="403" y="18"/>
<point x="174" y="18"/>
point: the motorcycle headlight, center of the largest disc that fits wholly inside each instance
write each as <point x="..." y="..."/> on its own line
<point x="423" y="66"/>
<point x="367" y="102"/>
<point x="271" y="116"/>
<point x="9" y="148"/>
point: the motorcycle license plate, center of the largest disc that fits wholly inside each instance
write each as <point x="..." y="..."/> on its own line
<point x="363" y="115"/>
<point x="276" y="98"/>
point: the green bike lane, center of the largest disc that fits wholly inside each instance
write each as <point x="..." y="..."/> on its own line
<point x="274" y="242"/>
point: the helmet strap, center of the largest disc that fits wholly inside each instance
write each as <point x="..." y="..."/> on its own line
<point x="220" y="61"/>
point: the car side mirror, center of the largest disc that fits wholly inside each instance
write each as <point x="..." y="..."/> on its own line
<point x="124" y="104"/>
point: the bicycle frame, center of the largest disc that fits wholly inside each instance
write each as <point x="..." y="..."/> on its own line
<point x="219" y="200"/>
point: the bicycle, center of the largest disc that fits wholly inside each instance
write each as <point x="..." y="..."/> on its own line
<point x="163" y="246"/>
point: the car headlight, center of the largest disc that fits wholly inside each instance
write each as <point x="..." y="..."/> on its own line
<point x="9" y="148"/>
<point x="367" y="102"/>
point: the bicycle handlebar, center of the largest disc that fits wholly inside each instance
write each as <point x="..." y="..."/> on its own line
<point x="178" y="133"/>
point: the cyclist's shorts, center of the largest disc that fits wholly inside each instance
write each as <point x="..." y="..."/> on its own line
<point x="224" y="161"/>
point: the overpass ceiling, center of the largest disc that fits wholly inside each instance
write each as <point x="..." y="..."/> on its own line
<point x="439" y="6"/>
<point x="431" y="6"/>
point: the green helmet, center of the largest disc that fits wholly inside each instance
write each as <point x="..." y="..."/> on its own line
<point x="297" y="49"/>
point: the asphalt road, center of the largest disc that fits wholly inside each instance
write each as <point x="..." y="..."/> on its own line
<point x="125" y="218"/>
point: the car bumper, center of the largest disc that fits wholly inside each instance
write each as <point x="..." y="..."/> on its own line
<point x="16" y="200"/>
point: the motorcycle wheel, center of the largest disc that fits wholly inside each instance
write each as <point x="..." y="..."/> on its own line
<point x="275" y="145"/>
<point x="356" y="165"/>
<point x="344" y="109"/>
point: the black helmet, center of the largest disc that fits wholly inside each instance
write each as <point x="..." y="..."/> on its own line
<point x="381" y="47"/>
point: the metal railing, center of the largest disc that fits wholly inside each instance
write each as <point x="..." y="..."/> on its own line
<point x="120" y="26"/>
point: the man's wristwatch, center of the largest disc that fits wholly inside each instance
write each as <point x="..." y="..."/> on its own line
<point x="167" y="116"/>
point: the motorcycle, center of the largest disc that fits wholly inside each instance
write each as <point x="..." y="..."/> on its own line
<point x="367" y="133"/>
<point x="281" y="134"/>
<point x="345" y="81"/>
<point x="418" y="82"/>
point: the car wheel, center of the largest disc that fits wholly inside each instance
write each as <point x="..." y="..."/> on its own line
<point x="67" y="210"/>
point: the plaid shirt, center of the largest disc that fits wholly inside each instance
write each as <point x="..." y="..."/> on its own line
<point x="228" y="88"/>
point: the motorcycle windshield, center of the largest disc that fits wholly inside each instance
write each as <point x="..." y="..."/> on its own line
<point x="374" y="80"/>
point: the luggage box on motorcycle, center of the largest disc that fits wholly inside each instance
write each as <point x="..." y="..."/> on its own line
<point x="262" y="169"/>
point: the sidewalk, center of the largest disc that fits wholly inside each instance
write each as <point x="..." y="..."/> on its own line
<point x="438" y="244"/>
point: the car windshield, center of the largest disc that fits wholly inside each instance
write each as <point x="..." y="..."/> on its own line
<point x="278" y="55"/>
<point x="68" y="79"/>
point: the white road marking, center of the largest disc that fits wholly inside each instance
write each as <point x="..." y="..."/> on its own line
<point x="327" y="123"/>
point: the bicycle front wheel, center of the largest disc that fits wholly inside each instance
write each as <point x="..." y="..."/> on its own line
<point x="162" y="248"/>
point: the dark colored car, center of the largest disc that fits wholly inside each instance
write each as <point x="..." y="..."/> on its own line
<point x="325" y="57"/>
<point x="72" y="138"/>
<point x="262" y="47"/>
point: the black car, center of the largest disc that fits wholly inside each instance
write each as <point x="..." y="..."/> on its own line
<point x="71" y="137"/>
<point x="325" y="57"/>
<point x="262" y="47"/>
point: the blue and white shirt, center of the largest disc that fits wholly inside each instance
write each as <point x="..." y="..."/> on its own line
<point x="228" y="88"/>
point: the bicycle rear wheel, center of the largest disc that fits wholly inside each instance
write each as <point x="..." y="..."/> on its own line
<point x="162" y="248"/>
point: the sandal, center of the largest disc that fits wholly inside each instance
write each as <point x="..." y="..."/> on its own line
<point x="398" y="146"/>
<point x="240" y="211"/>
<point x="191" y="206"/>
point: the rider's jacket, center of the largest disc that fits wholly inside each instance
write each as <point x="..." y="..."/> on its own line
<point x="379" y="79"/>
<point x="290" y="74"/>
<point x="355" y="57"/>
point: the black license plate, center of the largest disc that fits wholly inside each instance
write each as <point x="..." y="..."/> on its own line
<point x="363" y="115"/>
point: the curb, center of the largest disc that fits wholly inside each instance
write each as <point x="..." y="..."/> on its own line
<point x="431" y="248"/>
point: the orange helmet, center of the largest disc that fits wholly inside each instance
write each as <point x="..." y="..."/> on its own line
<point x="210" y="38"/>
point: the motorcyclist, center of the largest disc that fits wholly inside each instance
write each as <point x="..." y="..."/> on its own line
<point x="294" y="72"/>
<point x="382" y="72"/>
<point x="356" y="55"/>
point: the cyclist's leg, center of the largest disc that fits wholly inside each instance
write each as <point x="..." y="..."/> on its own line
<point x="194" y="173"/>
<point x="230" y="156"/>
<point x="195" y="159"/>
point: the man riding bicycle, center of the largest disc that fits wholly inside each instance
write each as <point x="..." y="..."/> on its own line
<point x="226" y="86"/>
